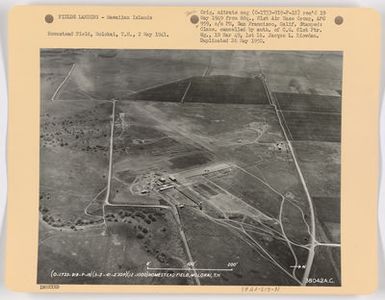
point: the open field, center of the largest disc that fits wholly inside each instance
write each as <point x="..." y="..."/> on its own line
<point x="329" y="214"/>
<point x="326" y="267"/>
<point x="181" y="162"/>
<point x="320" y="162"/>
<point x="303" y="73"/>
<point x="211" y="89"/>
<point x="311" y="103"/>
<point x="96" y="77"/>
<point x="73" y="151"/>
<point x="305" y="126"/>
<point x="153" y="234"/>
<point x="222" y="246"/>
<point x="227" y="89"/>
<point x="250" y="190"/>
<point x="131" y="236"/>
<point x="54" y="68"/>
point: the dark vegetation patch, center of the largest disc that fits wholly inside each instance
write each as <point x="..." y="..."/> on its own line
<point x="85" y="131"/>
<point x="210" y="89"/>
<point x="190" y="160"/>
<point x="313" y="126"/>
<point x="172" y="92"/>
<point x="227" y="89"/>
<point x="308" y="102"/>
<point x="328" y="209"/>
<point x="320" y="164"/>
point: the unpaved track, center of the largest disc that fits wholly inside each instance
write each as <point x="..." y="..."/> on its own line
<point x="62" y="83"/>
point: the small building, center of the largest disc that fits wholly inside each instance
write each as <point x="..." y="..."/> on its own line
<point x="172" y="178"/>
<point x="166" y="187"/>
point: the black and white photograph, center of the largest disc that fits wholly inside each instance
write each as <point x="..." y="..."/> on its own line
<point x="190" y="167"/>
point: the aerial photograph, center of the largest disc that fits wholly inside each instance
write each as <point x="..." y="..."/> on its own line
<point x="190" y="167"/>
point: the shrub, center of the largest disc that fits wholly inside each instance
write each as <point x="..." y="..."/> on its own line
<point x="140" y="235"/>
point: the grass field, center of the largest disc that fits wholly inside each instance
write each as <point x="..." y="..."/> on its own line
<point x="54" y="67"/>
<point x="133" y="236"/>
<point x="326" y="266"/>
<point x="73" y="160"/>
<point x="320" y="163"/>
<point x="311" y="103"/>
<point x="305" y="126"/>
<point x="210" y="89"/>
<point x="223" y="246"/>
<point x="251" y="190"/>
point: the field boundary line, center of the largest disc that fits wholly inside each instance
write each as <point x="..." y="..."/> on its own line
<point x="280" y="111"/>
<point x="262" y="77"/>
<point x="185" y="92"/>
<point x="310" y="111"/>
<point x="160" y="84"/>
<point x="206" y="72"/>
